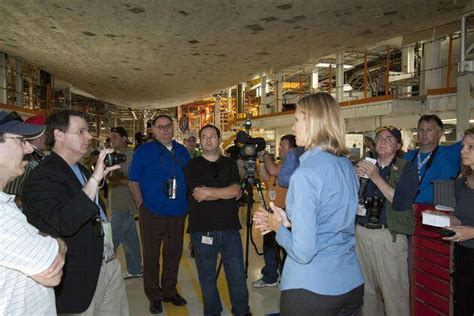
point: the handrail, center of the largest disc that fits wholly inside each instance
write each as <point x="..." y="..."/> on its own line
<point x="20" y="109"/>
<point x="439" y="91"/>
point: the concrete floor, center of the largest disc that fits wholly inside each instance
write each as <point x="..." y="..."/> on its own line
<point x="263" y="301"/>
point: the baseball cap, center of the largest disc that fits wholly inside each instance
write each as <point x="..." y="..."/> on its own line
<point x="119" y="130"/>
<point x="39" y="119"/>
<point x="12" y="123"/>
<point x="392" y="130"/>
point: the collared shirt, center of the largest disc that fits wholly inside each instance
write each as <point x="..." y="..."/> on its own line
<point x="292" y="161"/>
<point x="446" y="165"/>
<point x="152" y="165"/>
<point x="321" y="205"/>
<point x="23" y="252"/>
<point x="404" y="195"/>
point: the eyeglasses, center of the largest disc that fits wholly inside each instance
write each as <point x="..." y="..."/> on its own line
<point x="12" y="116"/>
<point x="21" y="138"/>
<point x="388" y="139"/>
<point x="97" y="230"/>
<point x="164" y="127"/>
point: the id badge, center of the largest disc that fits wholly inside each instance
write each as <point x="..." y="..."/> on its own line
<point x="361" y="211"/>
<point x="108" y="241"/>
<point x="272" y="195"/>
<point x="207" y="240"/>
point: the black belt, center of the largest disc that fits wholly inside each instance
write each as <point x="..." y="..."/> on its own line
<point x="373" y="226"/>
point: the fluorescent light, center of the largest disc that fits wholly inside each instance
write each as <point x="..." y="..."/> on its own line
<point x="326" y="65"/>
<point x="454" y="121"/>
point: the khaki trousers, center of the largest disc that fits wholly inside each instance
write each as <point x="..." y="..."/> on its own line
<point x="385" y="267"/>
<point x="110" y="297"/>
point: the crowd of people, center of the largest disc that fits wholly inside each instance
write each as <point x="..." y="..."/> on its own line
<point x="336" y="235"/>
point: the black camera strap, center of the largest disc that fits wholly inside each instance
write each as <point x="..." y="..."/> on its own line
<point x="170" y="152"/>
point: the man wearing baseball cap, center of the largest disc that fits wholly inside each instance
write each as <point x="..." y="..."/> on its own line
<point x="384" y="220"/>
<point x="30" y="263"/>
<point x="15" y="186"/>
<point x="123" y="207"/>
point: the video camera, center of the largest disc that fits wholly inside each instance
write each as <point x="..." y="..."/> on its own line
<point x="251" y="145"/>
<point x="248" y="152"/>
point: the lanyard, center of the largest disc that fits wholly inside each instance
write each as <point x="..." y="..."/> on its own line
<point x="428" y="160"/>
<point x="422" y="163"/>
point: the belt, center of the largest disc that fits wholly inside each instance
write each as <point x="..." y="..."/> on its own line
<point x="373" y="226"/>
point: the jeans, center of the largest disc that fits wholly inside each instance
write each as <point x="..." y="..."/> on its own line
<point x="124" y="232"/>
<point x="229" y="244"/>
<point x="271" y="256"/>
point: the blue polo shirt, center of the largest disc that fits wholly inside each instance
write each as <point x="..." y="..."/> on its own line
<point x="152" y="165"/>
<point x="446" y="165"/>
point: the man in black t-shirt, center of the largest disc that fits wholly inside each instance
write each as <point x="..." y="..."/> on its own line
<point x="213" y="186"/>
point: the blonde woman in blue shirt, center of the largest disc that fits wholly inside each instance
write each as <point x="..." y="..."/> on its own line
<point x="322" y="275"/>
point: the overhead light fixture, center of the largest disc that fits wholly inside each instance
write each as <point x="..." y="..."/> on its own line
<point x="347" y="87"/>
<point x="326" y="65"/>
<point x="454" y="121"/>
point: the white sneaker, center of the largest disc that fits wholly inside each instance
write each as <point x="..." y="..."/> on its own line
<point x="127" y="275"/>
<point x="260" y="283"/>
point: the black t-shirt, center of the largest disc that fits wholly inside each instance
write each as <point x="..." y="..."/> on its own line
<point x="215" y="215"/>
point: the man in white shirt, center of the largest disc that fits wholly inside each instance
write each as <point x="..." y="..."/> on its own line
<point x="30" y="263"/>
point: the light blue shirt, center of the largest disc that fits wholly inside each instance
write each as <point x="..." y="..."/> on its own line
<point x="289" y="166"/>
<point x="321" y="205"/>
<point x="82" y="179"/>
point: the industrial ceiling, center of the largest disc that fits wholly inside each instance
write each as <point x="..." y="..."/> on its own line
<point x="153" y="54"/>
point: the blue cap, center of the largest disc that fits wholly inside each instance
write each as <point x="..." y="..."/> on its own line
<point x="12" y="123"/>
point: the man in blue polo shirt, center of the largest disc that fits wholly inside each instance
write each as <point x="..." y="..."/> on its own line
<point x="157" y="182"/>
<point x="434" y="162"/>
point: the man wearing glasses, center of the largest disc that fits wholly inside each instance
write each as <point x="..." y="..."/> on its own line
<point x="15" y="186"/>
<point x="213" y="183"/>
<point x="30" y="263"/>
<point x="384" y="219"/>
<point x="61" y="198"/>
<point x="158" y="187"/>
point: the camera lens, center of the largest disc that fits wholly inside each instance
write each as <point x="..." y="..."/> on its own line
<point x="114" y="159"/>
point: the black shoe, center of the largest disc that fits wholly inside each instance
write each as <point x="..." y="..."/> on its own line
<point x="176" y="300"/>
<point x="155" y="307"/>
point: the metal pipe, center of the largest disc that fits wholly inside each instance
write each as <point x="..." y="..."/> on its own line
<point x="450" y="60"/>
<point x="387" y="72"/>
<point x="366" y="76"/>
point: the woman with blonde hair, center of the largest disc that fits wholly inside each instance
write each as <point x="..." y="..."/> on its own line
<point x="462" y="224"/>
<point x="321" y="275"/>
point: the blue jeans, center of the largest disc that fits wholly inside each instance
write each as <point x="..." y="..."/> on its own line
<point x="271" y="256"/>
<point x="124" y="232"/>
<point x="229" y="244"/>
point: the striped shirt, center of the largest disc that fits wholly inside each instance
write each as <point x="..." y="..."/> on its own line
<point x="15" y="186"/>
<point x="23" y="252"/>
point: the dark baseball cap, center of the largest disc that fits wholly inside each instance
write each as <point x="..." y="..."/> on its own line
<point x="12" y="123"/>
<point x="392" y="130"/>
<point x="119" y="130"/>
